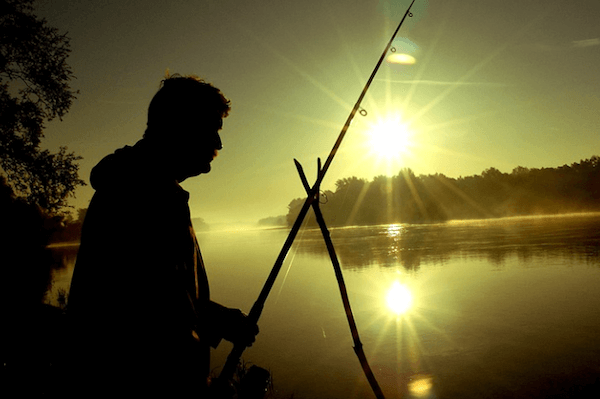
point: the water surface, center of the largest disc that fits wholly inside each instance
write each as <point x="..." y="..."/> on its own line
<point x="498" y="308"/>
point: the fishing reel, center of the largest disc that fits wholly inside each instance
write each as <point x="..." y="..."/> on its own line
<point x="247" y="383"/>
<point x="254" y="384"/>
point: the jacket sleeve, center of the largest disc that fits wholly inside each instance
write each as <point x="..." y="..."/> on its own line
<point x="225" y="323"/>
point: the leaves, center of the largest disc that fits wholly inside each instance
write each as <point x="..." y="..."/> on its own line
<point x="34" y="89"/>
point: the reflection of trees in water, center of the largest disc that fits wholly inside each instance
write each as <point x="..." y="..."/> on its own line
<point x="64" y="257"/>
<point x="546" y="239"/>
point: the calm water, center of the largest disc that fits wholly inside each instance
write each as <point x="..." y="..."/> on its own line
<point x="501" y="308"/>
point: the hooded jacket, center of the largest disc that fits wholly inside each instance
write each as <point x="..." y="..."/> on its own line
<point x="139" y="293"/>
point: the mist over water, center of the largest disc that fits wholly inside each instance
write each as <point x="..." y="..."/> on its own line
<point x="494" y="240"/>
<point x="490" y="308"/>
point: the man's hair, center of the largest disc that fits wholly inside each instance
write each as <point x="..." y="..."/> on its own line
<point x="181" y="99"/>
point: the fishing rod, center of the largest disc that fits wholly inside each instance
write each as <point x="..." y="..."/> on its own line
<point x="236" y="353"/>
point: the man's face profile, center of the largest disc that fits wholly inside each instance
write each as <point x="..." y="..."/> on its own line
<point x="198" y="146"/>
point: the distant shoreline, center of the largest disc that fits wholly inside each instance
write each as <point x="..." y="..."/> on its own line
<point x="68" y="244"/>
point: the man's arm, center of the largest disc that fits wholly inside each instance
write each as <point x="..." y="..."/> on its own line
<point x="230" y="324"/>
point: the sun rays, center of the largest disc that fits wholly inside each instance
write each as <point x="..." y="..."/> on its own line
<point x="408" y="121"/>
<point x="403" y="322"/>
<point x="394" y="132"/>
<point x="401" y="128"/>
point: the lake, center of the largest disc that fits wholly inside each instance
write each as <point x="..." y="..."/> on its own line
<point x="470" y="309"/>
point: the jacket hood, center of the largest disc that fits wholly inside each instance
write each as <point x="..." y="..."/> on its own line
<point x="130" y="167"/>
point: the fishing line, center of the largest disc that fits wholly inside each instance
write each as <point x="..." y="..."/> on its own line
<point x="293" y="256"/>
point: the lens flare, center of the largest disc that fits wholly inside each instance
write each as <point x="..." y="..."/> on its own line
<point x="399" y="298"/>
<point x="403" y="59"/>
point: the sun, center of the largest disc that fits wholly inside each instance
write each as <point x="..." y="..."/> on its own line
<point x="389" y="138"/>
<point x="399" y="298"/>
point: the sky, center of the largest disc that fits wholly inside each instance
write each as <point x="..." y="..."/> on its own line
<point x="476" y="84"/>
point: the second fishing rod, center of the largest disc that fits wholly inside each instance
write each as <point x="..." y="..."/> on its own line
<point x="254" y="314"/>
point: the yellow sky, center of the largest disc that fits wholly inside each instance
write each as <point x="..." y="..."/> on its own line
<point x="493" y="83"/>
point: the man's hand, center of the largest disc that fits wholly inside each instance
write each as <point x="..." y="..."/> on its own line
<point x="238" y="328"/>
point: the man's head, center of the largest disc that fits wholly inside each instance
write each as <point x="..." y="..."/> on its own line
<point x="184" y="119"/>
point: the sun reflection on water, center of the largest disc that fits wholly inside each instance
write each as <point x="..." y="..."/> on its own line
<point x="420" y="386"/>
<point x="394" y="230"/>
<point x="399" y="298"/>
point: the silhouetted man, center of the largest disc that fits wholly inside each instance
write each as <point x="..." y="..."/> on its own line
<point x="139" y="298"/>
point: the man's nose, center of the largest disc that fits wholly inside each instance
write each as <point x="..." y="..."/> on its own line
<point x="218" y="143"/>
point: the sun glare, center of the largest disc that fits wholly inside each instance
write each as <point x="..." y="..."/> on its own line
<point x="389" y="138"/>
<point x="420" y="386"/>
<point x="399" y="298"/>
<point x="403" y="59"/>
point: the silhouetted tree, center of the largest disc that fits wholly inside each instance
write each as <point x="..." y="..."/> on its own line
<point x="34" y="187"/>
<point x="406" y="198"/>
<point x="28" y="230"/>
<point x="273" y="221"/>
<point x="34" y="89"/>
<point x="31" y="333"/>
<point x="343" y="208"/>
<point x="294" y="208"/>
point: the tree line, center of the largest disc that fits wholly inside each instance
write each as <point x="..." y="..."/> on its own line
<point x="408" y="198"/>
